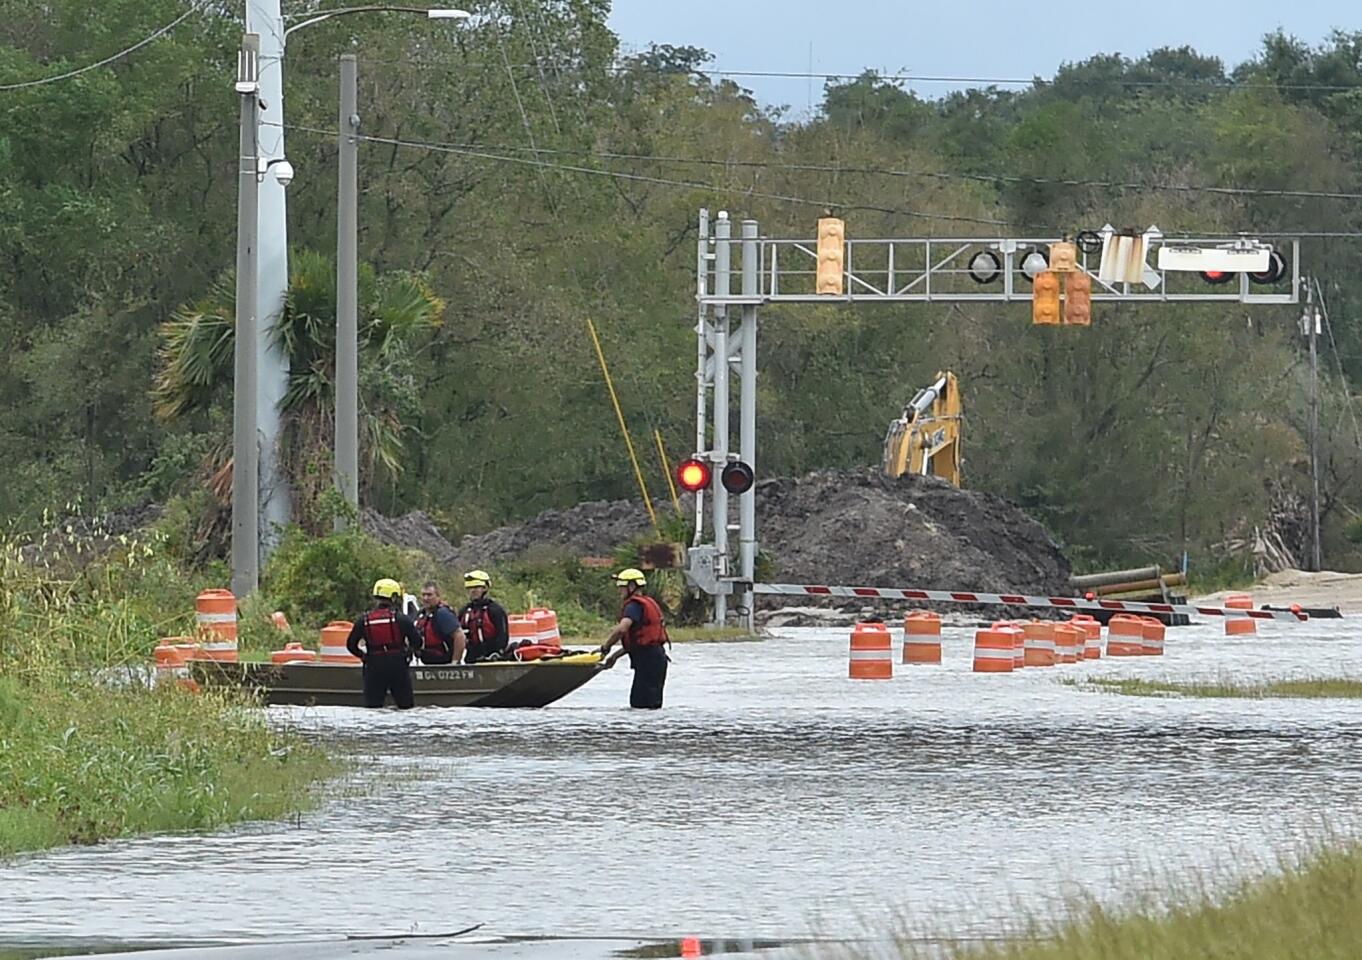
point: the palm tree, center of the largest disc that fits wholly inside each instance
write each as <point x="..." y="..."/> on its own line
<point x="395" y="311"/>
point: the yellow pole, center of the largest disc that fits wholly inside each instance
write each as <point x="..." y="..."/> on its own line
<point x="667" y="470"/>
<point x="614" y="399"/>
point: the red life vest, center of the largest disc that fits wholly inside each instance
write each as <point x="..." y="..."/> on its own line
<point x="652" y="632"/>
<point x="382" y="634"/>
<point x="426" y="624"/>
<point x="477" y="623"/>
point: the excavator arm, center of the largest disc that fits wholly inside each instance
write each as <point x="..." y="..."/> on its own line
<point x="926" y="438"/>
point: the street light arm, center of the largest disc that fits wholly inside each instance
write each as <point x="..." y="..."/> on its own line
<point x="435" y="13"/>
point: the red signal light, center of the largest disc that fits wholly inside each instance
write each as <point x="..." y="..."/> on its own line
<point x="737" y="477"/>
<point x="693" y="475"/>
<point x="1217" y="276"/>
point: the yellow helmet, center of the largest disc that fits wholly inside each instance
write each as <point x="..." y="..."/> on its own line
<point x="477" y="578"/>
<point x="630" y="575"/>
<point x="387" y="589"/>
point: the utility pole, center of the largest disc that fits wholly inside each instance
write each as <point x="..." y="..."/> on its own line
<point x="347" y="291"/>
<point x="264" y="18"/>
<point x="1310" y="327"/>
<point x="245" y="451"/>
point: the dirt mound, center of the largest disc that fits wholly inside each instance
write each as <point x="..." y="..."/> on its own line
<point x="412" y="531"/>
<point x="588" y="529"/>
<point x="80" y="539"/>
<point x="861" y="528"/>
<point x="832" y="526"/>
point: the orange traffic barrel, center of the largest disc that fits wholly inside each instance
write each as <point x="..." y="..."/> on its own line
<point x="1013" y="629"/>
<point x="293" y="652"/>
<point x="1039" y="643"/>
<point x="1125" y="636"/>
<point x="171" y="657"/>
<point x="993" y="651"/>
<point x="691" y="947"/>
<point x="871" y="656"/>
<point x="1239" y="601"/>
<point x="922" y="637"/>
<point x="1092" y="635"/>
<point x="523" y="628"/>
<point x="216" y="613"/>
<point x="1068" y="643"/>
<point x="546" y="627"/>
<point x="1240" y="626"/>
<point x="1151" y="640"/>
<point x="170" y="662"/>
<point x="333" y="649"/>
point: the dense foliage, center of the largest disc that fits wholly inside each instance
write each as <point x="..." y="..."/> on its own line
<point x="560" y="181"/>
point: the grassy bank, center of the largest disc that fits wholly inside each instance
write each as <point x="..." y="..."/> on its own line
<point x="1310" y="687"/>
<point x="81" y="762"/>
<point x="1306" y="909"/>
<point x="89" y="751"/>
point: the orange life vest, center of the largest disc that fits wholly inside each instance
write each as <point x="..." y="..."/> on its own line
<point x="652" y="632"/>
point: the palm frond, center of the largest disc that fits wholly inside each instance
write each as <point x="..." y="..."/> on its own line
<point x="194" y="359"/>
<point x="403" y="306"/>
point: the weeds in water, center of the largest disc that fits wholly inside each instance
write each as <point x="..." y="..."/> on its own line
<point x="1309" y="687"/>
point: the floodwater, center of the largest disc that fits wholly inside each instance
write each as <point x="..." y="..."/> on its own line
<point x="772" y="797"/>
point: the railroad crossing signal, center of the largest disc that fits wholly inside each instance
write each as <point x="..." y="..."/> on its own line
<point x="806" y="269"/>
<point x="693" y="475"/>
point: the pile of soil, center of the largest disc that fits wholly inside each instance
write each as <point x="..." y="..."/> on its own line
<point x="412" y="531"/>
<point x="831" y="527"/>
<point x="861" y="528"/>
<point x="80" y="539"/>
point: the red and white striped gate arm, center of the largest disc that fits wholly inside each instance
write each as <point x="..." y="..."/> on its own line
<point x="1017" y="600"/>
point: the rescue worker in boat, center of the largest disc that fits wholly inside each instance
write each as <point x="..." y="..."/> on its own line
<point x="483" y="620"/>
<point x="641" y="632"/>
<point x="384" y="639"/>
<point x="442" y="639"/>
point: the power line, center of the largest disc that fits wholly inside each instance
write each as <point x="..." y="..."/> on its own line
<point x="483" y="154"/>
<point x="988" y="178"/>
<point x="618" y="68"/>
<point x="106" y="61"/>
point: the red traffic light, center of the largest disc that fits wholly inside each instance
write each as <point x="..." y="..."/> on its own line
<point x="1276" y="270"/>
<point x="693" y="475"/>
<point x="1217" y="276"/>
<point x="737" y="477"/>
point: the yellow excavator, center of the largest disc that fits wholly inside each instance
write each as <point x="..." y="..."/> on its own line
<point x="926" y="439"/>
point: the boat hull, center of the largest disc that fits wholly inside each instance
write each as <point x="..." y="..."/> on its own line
<point x="499" y="684"/>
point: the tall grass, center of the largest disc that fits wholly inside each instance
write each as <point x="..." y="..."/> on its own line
<point x="1308" y="908"/>
<point x="88" y="748"/>
<point x="1308" y="688"/>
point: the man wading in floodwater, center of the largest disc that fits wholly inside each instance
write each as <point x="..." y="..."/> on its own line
<point x="384" y="640"/>
<point x="641" y="633"/>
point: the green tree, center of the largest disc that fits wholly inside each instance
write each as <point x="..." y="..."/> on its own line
<point x="397" y="314"/>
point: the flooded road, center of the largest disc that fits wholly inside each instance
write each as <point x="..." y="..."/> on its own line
<point x="771" y="798"/>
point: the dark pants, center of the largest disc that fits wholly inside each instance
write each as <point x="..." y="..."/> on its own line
<point x="384" y="672"/>
<point x="436" y="658"/>
<point x="650" y="676"/>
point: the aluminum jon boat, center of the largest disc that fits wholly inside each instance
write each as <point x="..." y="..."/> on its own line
<point x="509" y="683"/>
